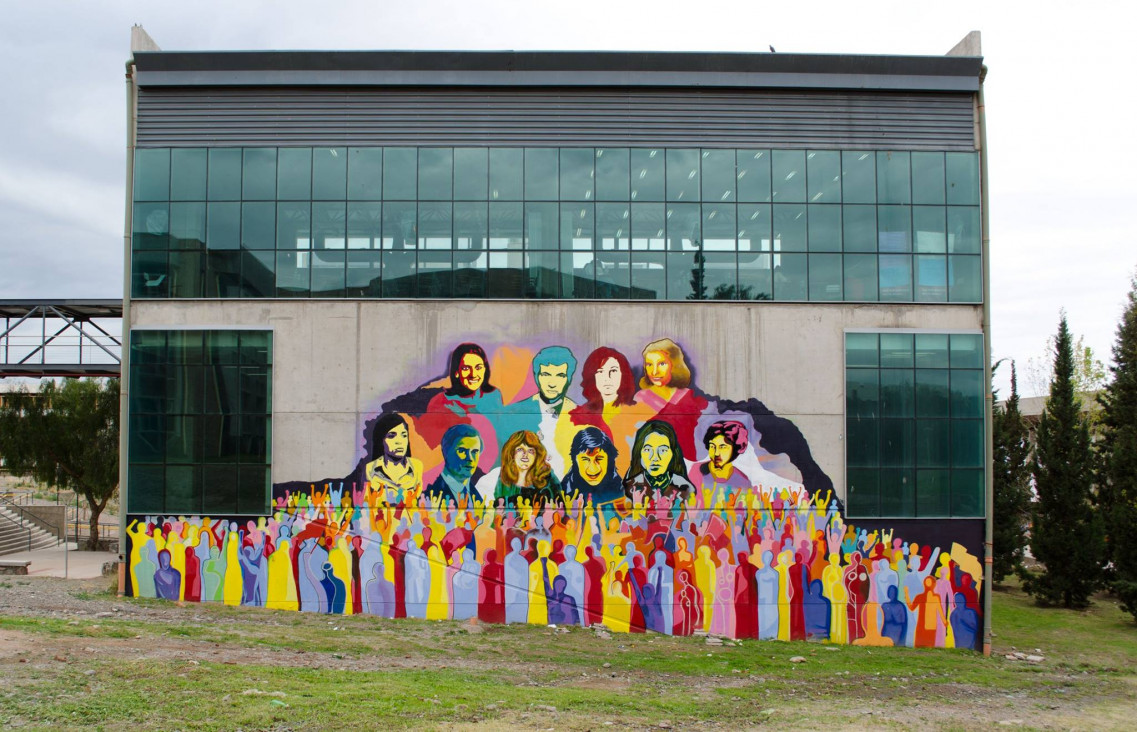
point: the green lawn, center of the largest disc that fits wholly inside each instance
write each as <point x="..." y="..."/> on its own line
<point x="212" y="667"/>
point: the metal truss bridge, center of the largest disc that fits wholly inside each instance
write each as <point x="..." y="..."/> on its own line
<point x="41" y="338"/>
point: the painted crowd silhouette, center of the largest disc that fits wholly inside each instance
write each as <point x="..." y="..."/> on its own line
<point x="643" y="504"/>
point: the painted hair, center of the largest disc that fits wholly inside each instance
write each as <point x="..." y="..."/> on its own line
<point x="734" y="432"/>
<point x="554" y="356"/>
<point x="463" y="350"/>
<point x="680" y="371"/>
<point x="658" y="427"/>
<point x="588" y="439"/>
<point x="539" y="473"/>
<point x="593" y="402"/>
<point x="383" y="425"/>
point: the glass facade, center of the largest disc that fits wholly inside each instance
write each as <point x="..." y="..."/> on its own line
<point x="200" y="422"/>
<point x="914" y="439"/>
<point x="556" y="223"/>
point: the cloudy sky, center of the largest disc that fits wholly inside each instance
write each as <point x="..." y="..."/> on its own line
<point x="1060" y="104"/>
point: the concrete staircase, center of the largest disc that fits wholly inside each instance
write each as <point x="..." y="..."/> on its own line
<point x="20" y="535"/>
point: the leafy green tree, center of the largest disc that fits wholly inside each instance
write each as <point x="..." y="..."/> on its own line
<point x="1011" y="484"/>
<point x="1117" y="481"/>
<point x="67" y="437"/>
<point x="1066" y="535"/>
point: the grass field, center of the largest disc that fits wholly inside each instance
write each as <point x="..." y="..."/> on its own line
<point x="84" y="663"/>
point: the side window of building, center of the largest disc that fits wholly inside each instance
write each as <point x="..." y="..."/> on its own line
<point x="200" y="422"/>
<point x="914" y="439"/>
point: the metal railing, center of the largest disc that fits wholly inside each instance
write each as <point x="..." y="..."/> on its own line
<point x="19" y="526"/>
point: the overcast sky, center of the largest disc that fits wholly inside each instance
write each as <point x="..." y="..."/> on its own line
<point x="1060" y="105"/>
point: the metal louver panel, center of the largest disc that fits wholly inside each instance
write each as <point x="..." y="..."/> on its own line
<point x="216" y="116"/>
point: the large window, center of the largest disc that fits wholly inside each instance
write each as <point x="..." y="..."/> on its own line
<point x="200" y="425"/>
<point x="553" y="223"/>
<point x="914" y="441"/>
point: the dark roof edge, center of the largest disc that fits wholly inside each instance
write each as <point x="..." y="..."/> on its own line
<point x="556" y="68"/>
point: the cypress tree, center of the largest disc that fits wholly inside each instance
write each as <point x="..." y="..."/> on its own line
<point x="1011" y="484"/>
<point x="1066" y="535"/>
<point x="1117" y="491"/>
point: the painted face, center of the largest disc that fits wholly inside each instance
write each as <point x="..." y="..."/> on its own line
<point x="524" y="456"/>
<point x="720" y="452"/>
<point x="466" y="454"/>
<point x="395" y="442"/>
<point x="472" y="371"/>
<point x="551" y="381"/>
<point x="592" y="465"/>
<point x="656" y="454"/>
<point x="657" y="367"/>
<point x="608" y="378"/>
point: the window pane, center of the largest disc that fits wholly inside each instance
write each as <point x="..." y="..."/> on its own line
<point x="897" y="493"/>
<point x="399" y="273"/>
<point x="221" y="439"/>
<point x="400" y="173"/>
<point x="963" y="232"/>
<point x="680" y="272"/>
<point x="435" y="227"/>
<point x="718" y="175"/>
<point x="292" y="274"/>
<point x="259" y="177"/>
<point x="933" y="443"/>
<point x="223" y="273"/>
<point x="965" y="278"/>
<point x="151" y="226"/>
<point x="187" y="174"/>
<point x="719" y="228"/>
<point x="151" y="175"/>
<point x="613" y="274"/>
<point x="365" y="173"/>
<point x="682" y="175"/>
<point x="895" y="277"/>
<point x="862" y="443"/>
<point x="895" y="228"/>
<point x="364" y="274"/>
<point x="789" y="228"/>
<point x="931" y="350"/>
<point x="858" y="177"/>
<point x="184" y="389"/>
<point x="506" y="275"/>
<point x="928" y="177"/>
<point x="400" y="226"/>
<point x="294" y="174"/>
<point x="255" y="389"/>
<point x="506" y="173"/>
<point x="258" y="225"/>
<point x="541" y="173"/>
<point x="967" y="491"/>
<point x="471" y="222"/>
<point x="897" y="393"/>
<point x="577" y="174"/>
<point x="577" y="226"/>
<point x="963" y="178"/>
<point x="754" y="176"/>
<point x="932" y="393"/>
<point x="788" y="172"/>
<point x="862" y="393"/>
<point x="220" y="491"/>
<point x="824" y="171"/>
<point x="893" y="177"/>
<point x="147" y="437"/>
<point x="579" y="274"/>
<point x="470" y="274"/>
<point x="933" y="493"/>
<point x="544" y="279"/>
<point x="861" y="349"/>
<point x="896" y="350"/>
<point x="859" y="228"/>
<point x="329" y="226"/>
<point x="186" y="275"/>
<point x="329" y="173"/>
<point x="506" y="225"/>
<point x="613" y="226"/>
<point x="649" y="277"/>
<point x="755" y="277"/>
<point x="436" y="174"/>
<point x="966" y="351"/>
<point x="612" y="174"/>
<point x="293" y="225"/>
<point x="364" y="225"/>
<point x="183" y="489"/>
<point x="860" y="277"/>
<point x="931" y="278"/>
<point x="720" y="275"/>
<point x="897" y="443"/>
<point x="684" y="227"/>
<point x="224" y="230"/>
<point x="824" y="228"/>
<point x="647" y="175"/>
<point x="967" y="443"/>
<point x="183" y="439"/>
<point x="471" y="173"/>
<point x="223" y="389"/>
<point x="224" y="174"/>
<point x="184" y="346"/>
<point x="147" y="489"/>
<point x="256" y="347"/>
<point x="790" y="282"/>
<point x="258" y="274"/>
<point x="541" y="226"/>
<point x="253" y="492"/>
<point x="825" y="276"/>
<point x="648" y="226"/>
<point x="863" y="493"/>
<point x="928" y="222"/>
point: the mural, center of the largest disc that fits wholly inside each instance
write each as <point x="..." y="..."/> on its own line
<point x="525" y="487"/>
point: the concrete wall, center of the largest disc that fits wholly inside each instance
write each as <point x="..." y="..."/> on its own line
<point x="335" y="362"/>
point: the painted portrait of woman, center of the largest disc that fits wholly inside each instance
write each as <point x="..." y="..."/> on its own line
<point x="393" y="472"/>
<point x="525" y="472"/>
<point x="657" y="463"/>
<point x="609" y="385"/>
<point x="665" y="390"/>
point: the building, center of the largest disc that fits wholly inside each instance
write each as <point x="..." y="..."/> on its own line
<point x="684" y="342"/>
